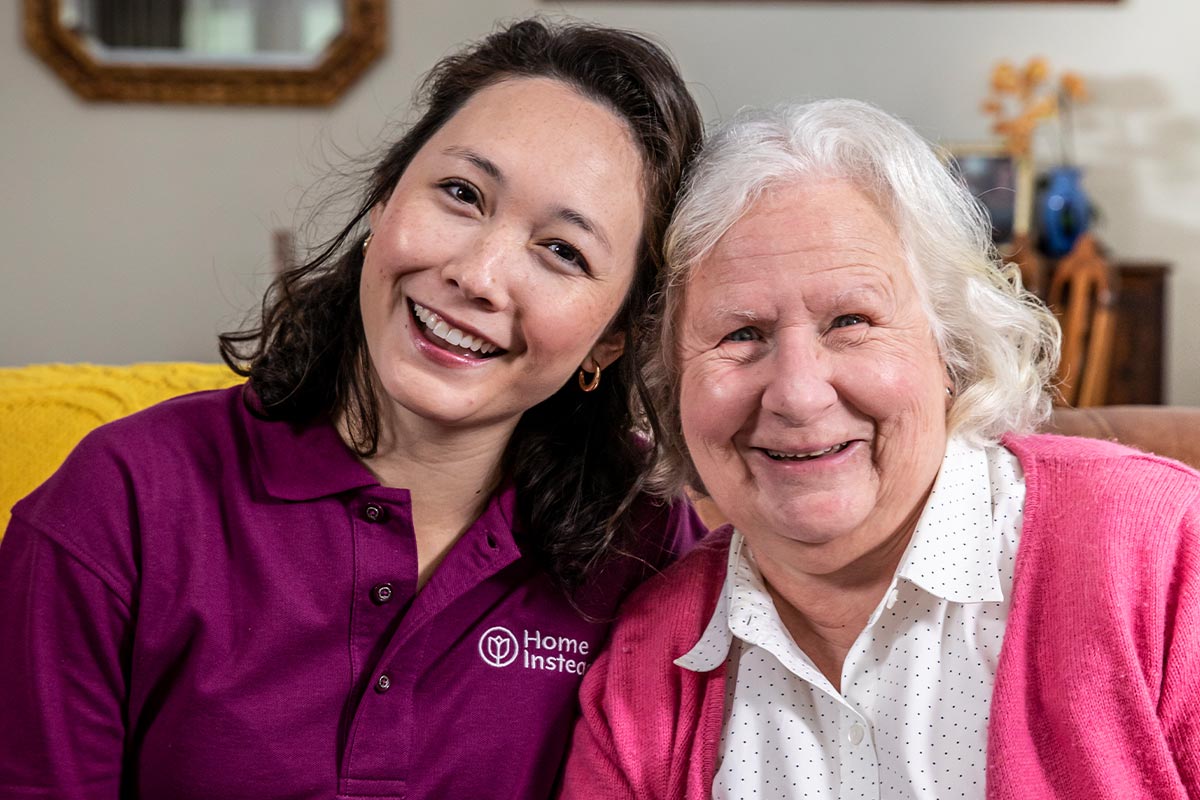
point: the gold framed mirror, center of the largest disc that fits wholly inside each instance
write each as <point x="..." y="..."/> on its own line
<point x="224" y="52"/>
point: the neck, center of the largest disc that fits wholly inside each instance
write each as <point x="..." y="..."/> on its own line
<point x="450" y="474"/>
<point x="825" y="612"/>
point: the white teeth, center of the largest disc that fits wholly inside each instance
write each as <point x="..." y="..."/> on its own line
<point x="441" y="329"/>
<point x="780" y="455"/>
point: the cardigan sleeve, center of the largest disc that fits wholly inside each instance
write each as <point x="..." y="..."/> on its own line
<point x="593" y="767"/>
<point x="648" y="728"/>
<point x="1179" y="705"/>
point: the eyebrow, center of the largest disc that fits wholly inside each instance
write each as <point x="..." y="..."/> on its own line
<point x="577" y="219"/>
<point x="742" y="315"/>
<point x="486" y="164"/>
<point x="568" y="215"/>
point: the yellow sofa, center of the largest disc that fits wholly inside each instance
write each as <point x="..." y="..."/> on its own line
<point x="46" y="409"/>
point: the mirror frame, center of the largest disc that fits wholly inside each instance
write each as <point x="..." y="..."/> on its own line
<point x="349" y="54"/>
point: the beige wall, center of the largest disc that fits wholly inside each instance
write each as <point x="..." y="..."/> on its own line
<point x="136" y="232"/>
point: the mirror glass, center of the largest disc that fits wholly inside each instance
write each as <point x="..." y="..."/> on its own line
<point x="285" y="34"/>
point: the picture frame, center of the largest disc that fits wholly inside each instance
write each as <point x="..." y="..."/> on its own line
<point x="1000" y="180"/>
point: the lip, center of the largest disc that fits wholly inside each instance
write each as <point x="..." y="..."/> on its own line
<point x="438" y="354"/>
<point x="454" y="323"/>
<point x="829" y="460"/>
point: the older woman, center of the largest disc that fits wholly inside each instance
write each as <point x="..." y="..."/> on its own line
<point x="919" y="598"/>
<point x="381" y="567"/>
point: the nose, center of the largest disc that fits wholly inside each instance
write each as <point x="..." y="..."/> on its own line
<point x="800" y="384"/>
<point x="484" y="268"/>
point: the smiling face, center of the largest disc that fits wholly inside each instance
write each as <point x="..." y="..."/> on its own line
<point x="502" y="255"/>
<point x="812" y="394"/>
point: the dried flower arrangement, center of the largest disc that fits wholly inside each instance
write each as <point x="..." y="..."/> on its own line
<point x="1020" y="98"/>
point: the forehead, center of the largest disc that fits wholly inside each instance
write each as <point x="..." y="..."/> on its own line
<point x="542" y="118"/>
<point x="813" y="232"/>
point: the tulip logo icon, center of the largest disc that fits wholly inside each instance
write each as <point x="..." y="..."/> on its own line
<point x="498" y="646"/>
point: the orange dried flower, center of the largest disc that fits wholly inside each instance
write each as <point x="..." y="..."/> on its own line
<point x="1004" y="77"/>
<point x="1074" y="86"/>
<point x="1036" y="72"/>
<point x="1033" y="100"/>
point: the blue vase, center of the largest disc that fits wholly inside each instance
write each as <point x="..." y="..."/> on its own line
<point x="1063" y="210"/>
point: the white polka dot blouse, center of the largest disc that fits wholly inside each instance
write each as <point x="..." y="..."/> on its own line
<point x="911" y="718"/>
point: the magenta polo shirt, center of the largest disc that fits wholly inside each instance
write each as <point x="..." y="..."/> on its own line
<point x="204" y="604"/>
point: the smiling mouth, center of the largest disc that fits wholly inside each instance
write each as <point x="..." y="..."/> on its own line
<point x="449" y="338"/>
<point x="780" y="455"/>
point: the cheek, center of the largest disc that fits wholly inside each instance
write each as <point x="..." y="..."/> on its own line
<point x="714" y="404"/>
<point x="904" y="389"/>
<point x="567" y="328"/>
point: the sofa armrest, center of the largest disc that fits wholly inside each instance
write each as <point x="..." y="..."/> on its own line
<point x="1171" y="431"/>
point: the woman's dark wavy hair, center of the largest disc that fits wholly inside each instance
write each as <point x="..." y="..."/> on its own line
<point x="574" y="458"/>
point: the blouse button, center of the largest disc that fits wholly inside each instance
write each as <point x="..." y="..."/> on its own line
<point x="382" y="593"/>
<point x="856" y="733"/>
<point x="383" y="684"/>
<point x="374" y="513"/>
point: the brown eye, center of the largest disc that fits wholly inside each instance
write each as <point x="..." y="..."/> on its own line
<point x="569" y="254"/>
<point x="462" y="191"/>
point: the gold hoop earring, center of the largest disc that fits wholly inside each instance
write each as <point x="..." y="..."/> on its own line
<point x="367" y="242"/>
<point x="584" y="383"/>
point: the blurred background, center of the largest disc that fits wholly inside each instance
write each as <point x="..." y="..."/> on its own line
<point x="135" y="231"/>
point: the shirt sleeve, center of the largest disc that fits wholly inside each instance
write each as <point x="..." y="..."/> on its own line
<point x="1179" y="706"/>
<point x="63" y="679"/>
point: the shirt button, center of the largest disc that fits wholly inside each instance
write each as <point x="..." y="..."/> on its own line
<point x="856" y="733"/>
<point x="374" y="513"/>
<point x="381" y="593"/>
<point x="383" y="684"/>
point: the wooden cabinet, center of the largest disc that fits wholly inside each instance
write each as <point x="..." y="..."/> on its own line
<point x="1139" y="343"/>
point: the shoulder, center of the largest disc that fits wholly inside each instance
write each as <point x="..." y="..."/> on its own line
<point x="1101" y="472"/>
<point x="95" y="500"/>
<point x="672" y="609"/>
<point x="151" y="443"/>
<point x="1078" y="451"/>
<point x="661" y="532"/>
<point x="1096" y="507"/>
<point x="665" y="530"/>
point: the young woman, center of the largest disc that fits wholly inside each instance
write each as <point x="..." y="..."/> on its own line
<point x="381" y="567"/>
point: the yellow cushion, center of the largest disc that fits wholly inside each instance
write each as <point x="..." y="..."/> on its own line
<point x="45" y="409"/>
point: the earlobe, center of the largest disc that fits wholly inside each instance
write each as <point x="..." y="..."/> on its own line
<point x="606" y="351"/>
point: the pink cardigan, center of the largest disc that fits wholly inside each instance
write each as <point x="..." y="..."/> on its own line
<point x="1097" y="692"/>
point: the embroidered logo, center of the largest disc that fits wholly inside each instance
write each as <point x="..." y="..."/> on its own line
<point x="498" y="646"/>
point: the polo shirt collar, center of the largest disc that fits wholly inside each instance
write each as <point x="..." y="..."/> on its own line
<point x="301" y="461"/>
<point x="954" y="553"/>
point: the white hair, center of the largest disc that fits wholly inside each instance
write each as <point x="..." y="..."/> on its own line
<point x="999" y="342"/>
